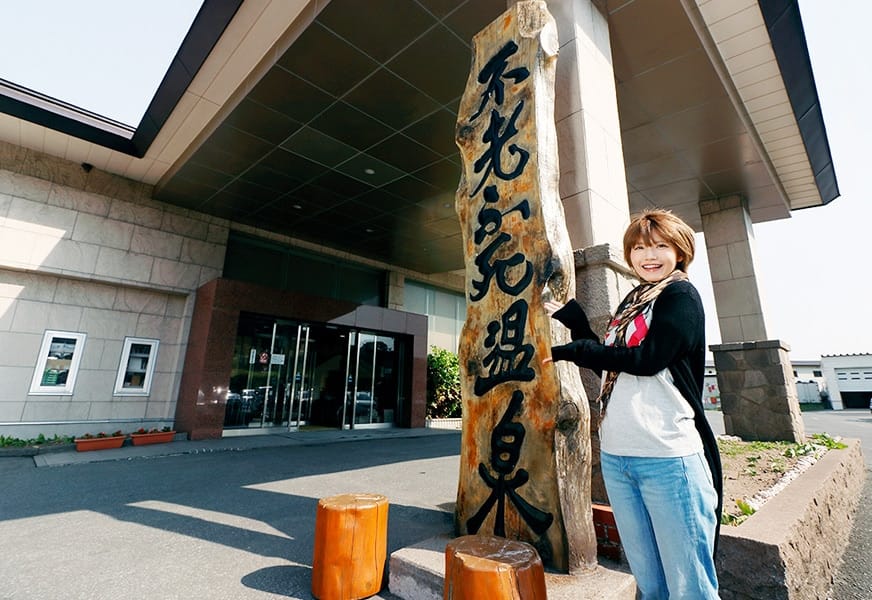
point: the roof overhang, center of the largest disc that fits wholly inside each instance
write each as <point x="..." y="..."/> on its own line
<point x="715" y="98"/>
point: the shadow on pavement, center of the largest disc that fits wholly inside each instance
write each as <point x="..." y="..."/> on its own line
<point x="250" y="513"/>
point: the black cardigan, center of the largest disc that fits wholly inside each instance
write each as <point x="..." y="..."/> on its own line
<point x="675" y="340"/>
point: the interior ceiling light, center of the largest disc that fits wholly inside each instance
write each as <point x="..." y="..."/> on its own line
<point x="369" y="171"/>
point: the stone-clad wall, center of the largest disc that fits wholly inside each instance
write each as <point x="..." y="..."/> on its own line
<point x="86" y="251"/>
<point x="52" y="228"/>
<point x="30" y="303"/>
<point x="789" y="549"/>
<point x="758" y="392"/>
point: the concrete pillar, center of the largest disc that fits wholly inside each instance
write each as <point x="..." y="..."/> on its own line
<point x="396" y="286"/>
<point x="729" y="240"/>
<point x="755" y="377"/>
<point x="593" y="182"/>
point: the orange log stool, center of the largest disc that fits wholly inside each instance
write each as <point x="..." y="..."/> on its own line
<point x="351" y="533"/>
<point x="482" y="566"/>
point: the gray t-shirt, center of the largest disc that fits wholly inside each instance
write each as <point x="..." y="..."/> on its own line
<point x="647" y="416"/>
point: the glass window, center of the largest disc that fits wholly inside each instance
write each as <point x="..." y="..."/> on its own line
<point x="311" y="276"/>
<point x="255" y="263"/>
<point x="138" y="358"/>
<point x="58" y="363"/>
<point x="417" y="298"/>
<point x="359" y="285"/>
<point x="269" y="263"/>
<point x="446" y="311"/>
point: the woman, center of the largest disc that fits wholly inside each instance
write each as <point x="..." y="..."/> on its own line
<point x="660" y="461"/>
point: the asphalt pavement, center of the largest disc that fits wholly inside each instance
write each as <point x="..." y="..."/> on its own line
<point x="234" y="518"/>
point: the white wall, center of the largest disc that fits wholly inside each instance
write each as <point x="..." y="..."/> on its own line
<point x="848" y="373"/>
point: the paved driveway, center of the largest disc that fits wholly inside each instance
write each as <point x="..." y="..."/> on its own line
<point x="234" y="518"/>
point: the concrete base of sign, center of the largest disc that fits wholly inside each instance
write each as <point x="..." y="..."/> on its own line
<point x="417" y="573"/>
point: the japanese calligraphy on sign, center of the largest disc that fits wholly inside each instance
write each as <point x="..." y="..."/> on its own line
<point x="525" y="425"/>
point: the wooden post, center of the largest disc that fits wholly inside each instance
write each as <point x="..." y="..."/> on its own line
<point x="525" y="448"/>
<point x="350" y="546"/>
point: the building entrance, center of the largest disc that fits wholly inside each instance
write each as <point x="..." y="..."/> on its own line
<point x="293" y="375"/>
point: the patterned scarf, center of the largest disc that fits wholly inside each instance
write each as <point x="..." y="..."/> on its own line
<point x="630" y="325"/>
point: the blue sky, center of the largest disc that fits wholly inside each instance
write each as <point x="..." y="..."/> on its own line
<point x="107" y="56"/>
<point x="811" y="268"/>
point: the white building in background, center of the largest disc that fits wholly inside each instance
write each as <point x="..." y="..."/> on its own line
<point x="850" y="379"/>
<point x="811" y="386"/>
<point x="844" y="380"/>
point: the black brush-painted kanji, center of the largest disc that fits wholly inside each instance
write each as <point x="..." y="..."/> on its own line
<point x="506" y="441"/>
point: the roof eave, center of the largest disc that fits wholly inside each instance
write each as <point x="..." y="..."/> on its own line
<point x="760" y="52"/>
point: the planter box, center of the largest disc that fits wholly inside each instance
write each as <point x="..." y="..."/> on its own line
<point x="101" y="443"/>
<point x="444" y="423"/>
<point x="789" y="548"/>
<point x="158" y="437"/>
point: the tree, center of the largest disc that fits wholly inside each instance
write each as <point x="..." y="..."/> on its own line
<point x="443" y="384"/>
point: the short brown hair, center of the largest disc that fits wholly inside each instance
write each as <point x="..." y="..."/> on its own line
<point x="668" y="226"/>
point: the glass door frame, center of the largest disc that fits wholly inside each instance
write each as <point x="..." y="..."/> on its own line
<point x="294" y="424"/>
<point x="356" y="341"/>
<point x="285" y="375"/>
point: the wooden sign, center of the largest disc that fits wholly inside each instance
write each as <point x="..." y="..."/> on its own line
<point x="525" y="458"/>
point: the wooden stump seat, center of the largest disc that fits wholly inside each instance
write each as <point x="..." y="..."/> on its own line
<point x="482" y="566"/>
<point x="348" y="560"/>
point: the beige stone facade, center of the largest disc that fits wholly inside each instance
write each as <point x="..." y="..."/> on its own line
<point x="92" y="253"/>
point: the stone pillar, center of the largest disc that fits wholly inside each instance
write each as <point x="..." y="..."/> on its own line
<point x="525" y="452"/>
<point x="593" y="181"/>
<point x="755" y="377"/>
<point x="602" y="280"/>
<point x="396" y="286"/>
<point x="758" y="393"/>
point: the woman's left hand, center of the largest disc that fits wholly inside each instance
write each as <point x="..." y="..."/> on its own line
<point x="552" y="307"/>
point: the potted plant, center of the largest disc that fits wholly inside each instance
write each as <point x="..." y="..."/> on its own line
<point x="144" y="436"/>
<point x="99" y="441"/>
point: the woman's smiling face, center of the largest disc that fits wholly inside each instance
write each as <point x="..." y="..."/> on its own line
<point x="654" y="261"/>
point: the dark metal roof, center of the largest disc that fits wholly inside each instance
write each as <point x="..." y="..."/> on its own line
<point x="784" y="24"/>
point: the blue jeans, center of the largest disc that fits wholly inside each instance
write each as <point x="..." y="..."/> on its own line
<point x="665" y="511"/>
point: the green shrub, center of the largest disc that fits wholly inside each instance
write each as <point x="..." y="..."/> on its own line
<point x="443" y="384"/>
<point x="40" y="440"/>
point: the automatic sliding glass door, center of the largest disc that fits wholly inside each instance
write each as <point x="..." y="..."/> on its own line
<point x="266" y="364"/>
<point x="298" y="375"/>
<point x="371" y="381"/>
